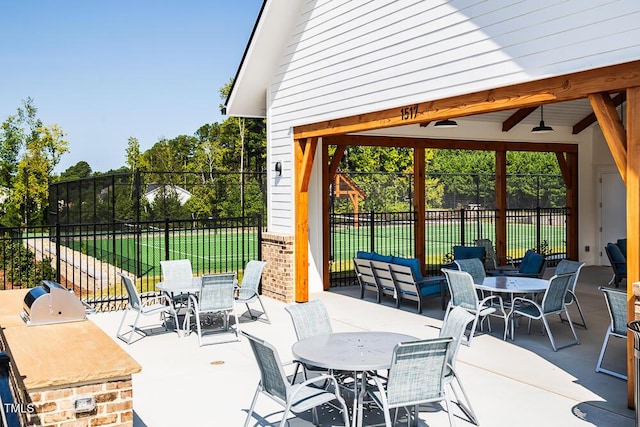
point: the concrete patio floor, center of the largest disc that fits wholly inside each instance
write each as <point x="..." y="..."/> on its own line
<point x="521" y="382"/>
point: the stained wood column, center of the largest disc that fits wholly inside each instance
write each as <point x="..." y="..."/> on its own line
<point x="304" y="152"/>
<point x="326" y="183"/>
<point x="419" y="205"/>
<point x="633" y="221"/>
<point x="501" y="205"/>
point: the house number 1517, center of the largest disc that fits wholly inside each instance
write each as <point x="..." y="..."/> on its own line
<point x="408" y="113"/>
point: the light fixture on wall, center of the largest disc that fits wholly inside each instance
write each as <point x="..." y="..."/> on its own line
<point x="542" y="128"/>
<point x="446" y="124"/>
<point x="278" y="168"/>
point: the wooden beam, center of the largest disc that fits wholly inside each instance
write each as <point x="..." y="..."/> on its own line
<point x="309" y="148"/>
<point x="335" y="161"/>
<point x="302" y="167"/>
<point x="516" y="118"/>
<point x="531" y="94"/>
<point x="633" y="223"/>
<point x="590" y="119"/>
<point x="327" y="177"/>
<point x="448" y="144"/>
<point x="612" y="129"/>
<point x="419" y="206"/>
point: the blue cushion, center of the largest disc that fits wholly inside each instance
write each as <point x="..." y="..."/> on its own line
<point x="364" y="255"/>
<point x="531" y="263"/>
<point x="622" y="244"/>
<point x="382" y="258"/>
<point x="410" y="262"/>
<point x="468" y="252"/>
<point x="430" y="289"/>
<point x="617" y="258"/>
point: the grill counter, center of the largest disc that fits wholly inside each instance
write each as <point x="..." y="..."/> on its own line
<point x="52" y="303"/>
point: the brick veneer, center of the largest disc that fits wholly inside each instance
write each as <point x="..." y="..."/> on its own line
<point x="54" y="407"/>
<point x="279" y="273"/>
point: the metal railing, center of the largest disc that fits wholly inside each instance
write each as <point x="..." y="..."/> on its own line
<point x="87" y="257"/>
<point x="541" y="229"/>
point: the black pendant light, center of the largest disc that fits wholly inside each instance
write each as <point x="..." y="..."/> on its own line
<point x="446" y="124"/>
<point x="542" y="128"/>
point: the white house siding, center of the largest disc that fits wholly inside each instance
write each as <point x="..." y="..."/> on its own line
<point x="350" y="57"/>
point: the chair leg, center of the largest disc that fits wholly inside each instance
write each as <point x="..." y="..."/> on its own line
<point x="119" y="334"/>
<point x="253" y="405"/>
<point x="599" y="367"/>
<point x="464" y="403"/>
<point x="264" y="311"/>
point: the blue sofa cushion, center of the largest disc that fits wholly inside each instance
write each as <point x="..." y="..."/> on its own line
<point x="430" y="289"/>
<point x="364" y="255"/>
<point x="531" y="263"/>
<point x="617" y="258"/>
<point x="469" y="252"/>
<point x="409" y="262"/>
<point x="622" y="244"/>
<point x="382" y="258"/>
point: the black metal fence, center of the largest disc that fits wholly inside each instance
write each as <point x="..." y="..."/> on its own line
<point x="541" y="229"/>
<point x="87" y="257"/>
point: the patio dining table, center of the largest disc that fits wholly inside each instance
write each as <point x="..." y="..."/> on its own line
<point x="173" y="289"/>
<point x="357" y="352"/>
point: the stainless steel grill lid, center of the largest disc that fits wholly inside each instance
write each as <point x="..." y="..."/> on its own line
<point x="51" y="303"/>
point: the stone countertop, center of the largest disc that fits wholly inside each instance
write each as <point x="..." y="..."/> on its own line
<point x="60" y="354"/>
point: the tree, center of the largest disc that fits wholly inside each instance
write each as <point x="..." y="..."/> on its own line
<point x="78" y="171"/>
<point x="30" y="151"/>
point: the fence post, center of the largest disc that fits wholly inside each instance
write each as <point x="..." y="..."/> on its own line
<point x="538" y="224"/>
<point x="166" y="238"/>
<point x="260" y="237"/>
<point x="58" y="264"/>
<point x="463" y="219"/>
<point x="372" y="233"/>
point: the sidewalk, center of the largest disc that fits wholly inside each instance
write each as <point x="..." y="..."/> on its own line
<point x="521" y="382"/>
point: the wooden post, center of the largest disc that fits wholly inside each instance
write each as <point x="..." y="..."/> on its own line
<point x="633" y="222"/>
<point x="501" y="205"/>
<point x="326" y="183"/>
<point x="419" y="205"/>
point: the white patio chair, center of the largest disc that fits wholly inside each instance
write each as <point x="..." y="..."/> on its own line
<point x="455" y="326"/>
<point x="566" y="266"/>
<point x="296" y="398"/>
<point x="177" y="273"/>
<point x="463" y="294"/>
<point x="248" y="289"/>
<point x="416" y="376"/>
<point x="553" y="302"/>
<point x="155" y="304"/>
<point x="216" y="297"/>
<point x="616" y="300"/>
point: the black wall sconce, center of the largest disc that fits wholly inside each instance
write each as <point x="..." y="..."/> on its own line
<point x="278" y="169"/>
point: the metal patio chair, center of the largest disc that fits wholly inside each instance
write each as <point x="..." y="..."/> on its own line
<point x="296" y="398"/>
<point x="216" y="298"/>
<point x="455" y="326"/>
<point x="177" y="273"/>
<point x="567" y="266"/>
<point x="491" y="264"/>
<point x="416" y="376"/>
<point x="463" y="294"/>
<point x="248" y="289"/>
<point x="553" y="302"/>
<point x="155" y="304"/>
<point x="474" y="267"/>
<point x="617" y="305"/>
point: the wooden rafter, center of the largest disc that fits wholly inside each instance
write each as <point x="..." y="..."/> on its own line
<point x="612" y="129"/>
<point x="590" y="119"/>
<point x="532" y="94"/>
<point x="516" y="118"/>
<point x="335" y="161"/>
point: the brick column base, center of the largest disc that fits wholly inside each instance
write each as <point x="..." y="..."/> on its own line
<point x="278" y="274"/>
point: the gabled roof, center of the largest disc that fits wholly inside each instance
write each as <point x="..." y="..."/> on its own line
<point x="273" y="28"/>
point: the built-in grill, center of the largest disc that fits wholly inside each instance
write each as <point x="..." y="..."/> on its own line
<point x="52" y="303"/>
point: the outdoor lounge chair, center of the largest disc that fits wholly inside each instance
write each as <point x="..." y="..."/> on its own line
<point x="553" y="302"/>
<point x="216" y="297"/>
<point x="617" y="305"/>
<point x="155" y="304"/>
<point x="248" y="289"/>
<point x="416" y="376"/>
<point x="463" y="294"/>
<point x="296" y="398"/>
<point x="567" y="266"/>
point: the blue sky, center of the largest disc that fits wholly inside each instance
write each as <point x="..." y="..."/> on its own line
<point x="105" y="71"/>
